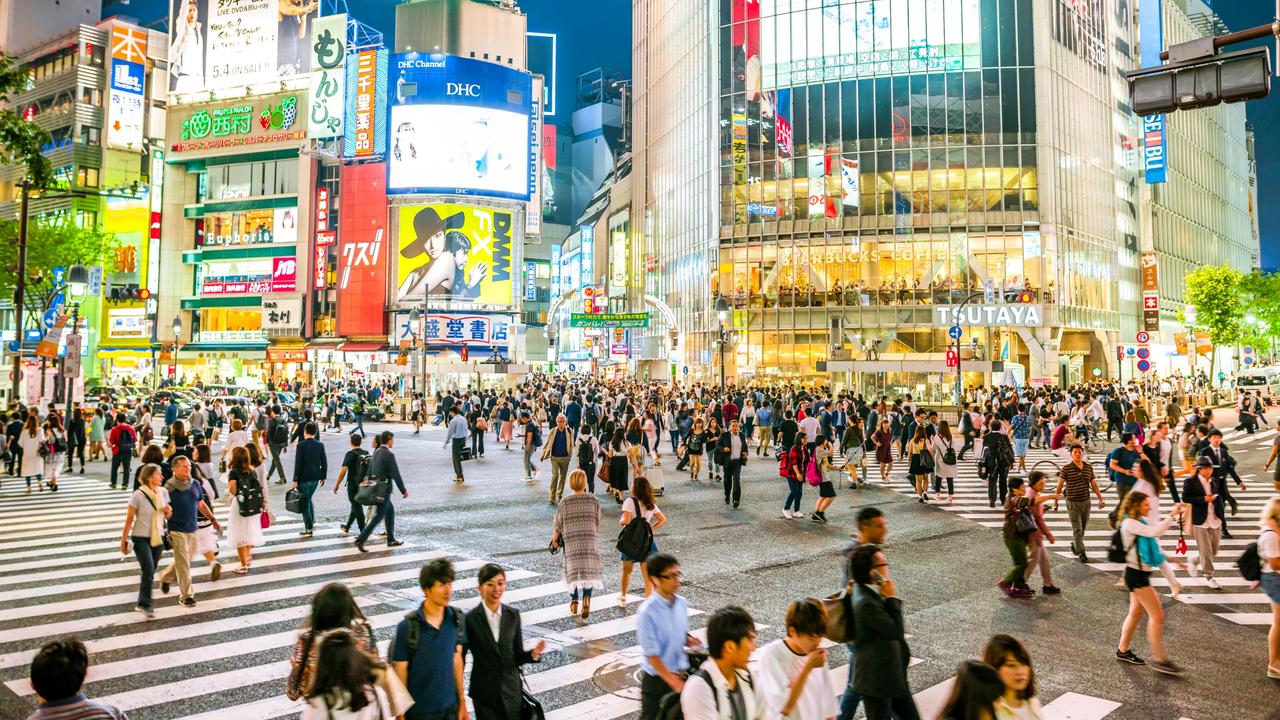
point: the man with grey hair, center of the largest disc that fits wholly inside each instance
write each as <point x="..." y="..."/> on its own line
<point x="559" y="448"/>
<point x="187" y="499"/>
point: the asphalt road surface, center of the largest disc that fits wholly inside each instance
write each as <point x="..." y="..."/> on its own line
<point x="61" y="573"/>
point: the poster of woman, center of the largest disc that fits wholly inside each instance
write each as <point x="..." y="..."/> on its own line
<point x="455" y="252"/>
<point x="186" y="50"/>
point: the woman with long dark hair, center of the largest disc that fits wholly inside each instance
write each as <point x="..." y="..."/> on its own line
<point x="30" y="438"/>
<point x="56" y="449"/>
<point x="974" y="694"/>
<point x="344" y="685"/>
<point x="619" y="466"/>
<point x="640" y="503"/>
<point x="332" y="608"/>
<point x="1011" y="661"/>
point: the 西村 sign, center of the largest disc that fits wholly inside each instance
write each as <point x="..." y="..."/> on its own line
<point x="985" y="315"/>
<point x="609" y="320"/>
<point x="240" y="122"/>
<point x="328" y="77"/>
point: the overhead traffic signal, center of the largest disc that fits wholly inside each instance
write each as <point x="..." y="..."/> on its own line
<point x="1203" y="82"/>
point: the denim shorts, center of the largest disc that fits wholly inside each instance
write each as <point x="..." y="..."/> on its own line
<point x="1020" y="446"/>
<point x="1271" y="586"/>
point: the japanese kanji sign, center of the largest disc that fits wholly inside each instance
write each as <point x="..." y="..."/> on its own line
<point x="468" y="330"/>
<point x="282" y="314"/>
<point x="328" y="77"/>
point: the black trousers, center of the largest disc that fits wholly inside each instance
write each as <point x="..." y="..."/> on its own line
<point x="652" y="690"/>
<point x="477" y="443"/>
<point x="733" y="480"/>
<point x="458" y="445"/>
<point x="968" y="444"/>
<point x="75" y="445"/>
<point x="356" y="515"/>
<point x="890" y="708"/>
<point x="121" y="460"/>
<point x="275" y="462"/>
<point x="998" y="479"/>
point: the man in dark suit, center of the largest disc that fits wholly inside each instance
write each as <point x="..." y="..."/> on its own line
<point x="1205" y="493"/>
<point x="75" y="437"/>
<point x="383" y="465"/>
<point x="495" y="640"/>
<point x="731" y="453"/>
<point x="1224" y="466"/>
<point x="880" y="676"/>
<point x="309" y="473"/>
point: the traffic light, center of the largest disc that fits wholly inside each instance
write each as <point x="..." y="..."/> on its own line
<point x="1234" y="77"/>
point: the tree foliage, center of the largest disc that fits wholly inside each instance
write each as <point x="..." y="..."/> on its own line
<point x="52" y="241"/>
<point x="1216" y="294"/>
<point x="21" y="142"/>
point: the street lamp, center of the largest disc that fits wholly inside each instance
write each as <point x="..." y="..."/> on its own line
<point x="722" y="312"/>
<point x="177" y="342"/>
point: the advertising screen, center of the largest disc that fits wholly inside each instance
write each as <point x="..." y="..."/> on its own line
<point x="860" y="38"/>
<point x="362" y="251"/>
<point x="216" y="44"/>
<point x="458" y="252"/>
<point x="460" y="126"/>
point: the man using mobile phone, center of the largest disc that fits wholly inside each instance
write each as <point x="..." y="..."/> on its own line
<point x="881" y="673"/>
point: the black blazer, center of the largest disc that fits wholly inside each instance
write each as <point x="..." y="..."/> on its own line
<point x="725" y="446"/>
<point x="1193" y="494"/>
<point x="311" y="464"/>
<point x="881" y="645"/>
<point x="495" y="668"/>
<point x="382" y="464"/>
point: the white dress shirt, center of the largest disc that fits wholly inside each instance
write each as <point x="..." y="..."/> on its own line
<point x="495" y="620"/>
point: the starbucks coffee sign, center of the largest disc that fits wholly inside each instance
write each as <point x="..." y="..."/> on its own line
<point x="1012" y="314"/>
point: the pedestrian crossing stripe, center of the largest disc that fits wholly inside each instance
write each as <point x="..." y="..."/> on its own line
<point x="133" y="659"/>
<point x="970" y="502"/>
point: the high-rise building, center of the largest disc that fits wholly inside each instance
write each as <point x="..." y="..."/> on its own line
<point x="1200" y="215"/>
<point x="28" y="24"/>
<point x="94" y="89"/>
<point x="856" y="180"/>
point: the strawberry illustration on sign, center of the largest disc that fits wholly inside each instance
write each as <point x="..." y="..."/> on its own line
<point x="279" y="117"/>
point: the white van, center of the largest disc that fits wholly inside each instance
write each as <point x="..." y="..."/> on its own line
<point x="1265" y="381"/>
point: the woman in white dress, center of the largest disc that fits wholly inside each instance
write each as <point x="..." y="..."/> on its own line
<point x="236" y="438"/>
<point x="186" y="54"/>
<point x="30" y="438"/>
<point x="244" y="532"/>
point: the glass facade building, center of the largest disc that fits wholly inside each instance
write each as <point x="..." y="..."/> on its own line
<point x="881" y="159"/>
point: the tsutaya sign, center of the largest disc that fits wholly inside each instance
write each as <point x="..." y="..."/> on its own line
<point x="1012" y="314"/>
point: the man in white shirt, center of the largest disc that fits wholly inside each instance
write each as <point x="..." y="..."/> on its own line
<point x="794" y="681"/>
<point x="810" y="426"/>
<point x="723" y="687"/>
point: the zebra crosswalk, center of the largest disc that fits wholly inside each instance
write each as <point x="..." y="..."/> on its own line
<point x="1237" y="601"/>
<point x="62" y="574"/>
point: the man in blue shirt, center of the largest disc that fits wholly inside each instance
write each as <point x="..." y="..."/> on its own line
<point x="457" y="434"/>
<point x="1020" y="428"/>
<point x="662" y="629"/>
<point x="186" y="498"/>
<point x="573" y="413"/>
<point x="170" y="413"/>
<point x="426" y="652"/>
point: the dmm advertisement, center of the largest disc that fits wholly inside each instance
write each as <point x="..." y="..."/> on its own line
<point x="459" y="252"/>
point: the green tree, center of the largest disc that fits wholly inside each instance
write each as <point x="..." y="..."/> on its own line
<point x="1261" y="291"/>
<point x="1217" y="295"/>
<point x="52" y="241"/>
<point x="21" y="142"/>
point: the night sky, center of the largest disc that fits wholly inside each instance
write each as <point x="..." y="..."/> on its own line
<point x="598" y="33"/>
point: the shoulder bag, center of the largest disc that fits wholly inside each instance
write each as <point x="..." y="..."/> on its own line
<point x="840" y="627"/>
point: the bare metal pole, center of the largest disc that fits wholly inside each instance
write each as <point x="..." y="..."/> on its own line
<point x="19" y="292"/>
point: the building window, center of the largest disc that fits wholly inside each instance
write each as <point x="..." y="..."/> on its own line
<point x="91" y="96"/>
<point x="89" y="135"/>
<point x="87" y="177"/>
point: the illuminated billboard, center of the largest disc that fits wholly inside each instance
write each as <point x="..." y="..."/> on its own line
<point x="859" y="38"/>
<point x="366" y="111"/>
<point x="456" y="252"/>
<point x="125" y="92"/>
<point x="460" y="126"/>
<point x="234" y="43"/>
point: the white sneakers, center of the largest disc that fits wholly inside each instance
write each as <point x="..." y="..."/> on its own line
<point x="1213" y="584"/>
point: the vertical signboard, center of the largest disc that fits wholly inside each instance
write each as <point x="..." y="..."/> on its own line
<point x="329" y="77"/>
<point x="125" y="106"/>
<point x="533" y="209"/>
<point x="555" y="272"/>
<point x="1150" y="293"/>
<point x="362" y="251"/>
<point x="366" y="114"/>
<point x="588" y="254"/>
<point x="153" y="246"/>
<point x="1154" y="144"/>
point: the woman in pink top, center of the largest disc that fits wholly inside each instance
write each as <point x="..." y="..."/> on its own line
<point x="1037" y="553"/>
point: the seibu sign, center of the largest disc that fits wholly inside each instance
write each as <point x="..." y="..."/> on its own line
<point x="983" y="315"/>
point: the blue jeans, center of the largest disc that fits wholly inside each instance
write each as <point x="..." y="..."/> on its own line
<point x="850" y="699"/>
<point x="586" y="593"/>
<point x="359" y="423"/>
<point x="148" y="560"/>
<point x="796" y="489"/>
<point x="307" y="489"/>
<point x="386" y="512"/>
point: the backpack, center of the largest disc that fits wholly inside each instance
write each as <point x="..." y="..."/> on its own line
<point x="537" y="435"/>
<point x="812" y="473"/>
<point x="984" y="464"/>
<point x="785" y="466"/>
<point x="127" y="440"/>
<point x="636" y="538"/>
<point x="248" y="494"/>
<point x="586" y="452"/>
<point x="669" y="707"/>
<point x="279" y="434"/>
<point x="949" y="455"/>
<point x="1250" y="562"/>
<point x="1116" y="551"/>
<point x="360" y="470"/>
<point x="415" y="629"/>
<point x="591" y="416"/>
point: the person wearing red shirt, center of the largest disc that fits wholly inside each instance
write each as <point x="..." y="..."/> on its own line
<point x="124" y="443"/>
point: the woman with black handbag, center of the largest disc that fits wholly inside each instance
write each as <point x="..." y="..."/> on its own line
<point x="920" y="462"/>
<point x="56" y="443"/>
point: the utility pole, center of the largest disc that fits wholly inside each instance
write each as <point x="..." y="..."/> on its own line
<point x="19" y="292"/>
